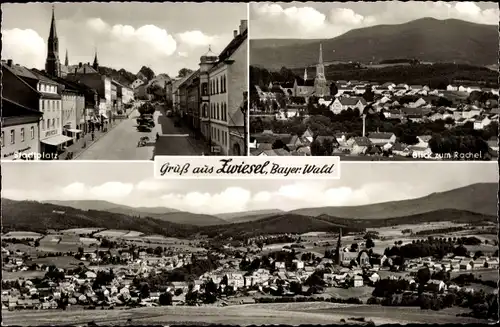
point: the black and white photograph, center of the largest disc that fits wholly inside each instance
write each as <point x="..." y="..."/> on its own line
<point x="123" y="81"/>
<point x="95" y="244"/>
<point x="374" y="81"/>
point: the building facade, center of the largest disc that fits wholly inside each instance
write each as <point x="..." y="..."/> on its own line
<point x="207" y="61"/>
<point x="228" y="80"/>
<point x="20" y="136"/>
<point x="51" y="127"/>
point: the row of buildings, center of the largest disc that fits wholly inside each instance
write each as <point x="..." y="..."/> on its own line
<point x="212" y="99"/>
<point x="43" y="111"/>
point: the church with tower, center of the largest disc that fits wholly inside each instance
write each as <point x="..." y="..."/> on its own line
<point x="53" y="66"/>
<point x="317" y="87"/>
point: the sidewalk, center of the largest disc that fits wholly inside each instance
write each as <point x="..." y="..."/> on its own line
<point x="77" y="147"/>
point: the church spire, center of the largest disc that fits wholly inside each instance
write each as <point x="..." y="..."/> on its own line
<point x="53" y="32"/>
<point x="320" y="61"/>
<point x="66" y="61"/>
<point x="95" y="65"/>
<point x="339" y="248"/>
<point x="52" y="64"/>
<point x="305" y="74"/>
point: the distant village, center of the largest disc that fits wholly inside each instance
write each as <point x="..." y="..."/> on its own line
<point x="278" y="108"/>
<point x="111" y="271"/>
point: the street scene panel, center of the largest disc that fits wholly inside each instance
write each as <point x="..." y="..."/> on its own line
<point x="89" y="243"/>
<point x="374" y="80"/>
<point x="89" y="81"/>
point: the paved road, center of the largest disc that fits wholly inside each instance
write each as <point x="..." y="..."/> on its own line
<point x="176" y="141"/>
<point x="121" y="142"/>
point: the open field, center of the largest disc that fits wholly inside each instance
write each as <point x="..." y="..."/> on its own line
<point x="21" y="235"/>
<point x="112" y="233"/>
<point x="81" y="231"/>
<point x="486" y="274"/>
<point x="253" y="314"/>
<point x="64" y="262"/>
<point x="16" y="275"/>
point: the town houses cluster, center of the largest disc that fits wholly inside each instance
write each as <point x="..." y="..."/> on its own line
<point x="211" y="99"/>
<point x="110" y="271"/>
<point x="287" y="103"/>
<point x="43" y="112"/>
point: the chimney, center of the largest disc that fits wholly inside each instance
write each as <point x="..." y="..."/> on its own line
<point x="243" y="25"/>
<point x="9" y="62"/>
<point x="80" y="65"/>
<point x="364" y="125"/>
<point x="235" y="33"/>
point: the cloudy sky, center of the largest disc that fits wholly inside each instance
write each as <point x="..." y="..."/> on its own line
<point x="163" y="36"/>
<point x="131" y="184"/>
<point x="328" y="20"/>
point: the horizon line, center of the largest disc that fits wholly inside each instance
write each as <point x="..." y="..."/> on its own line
<point x="243" y="211"/>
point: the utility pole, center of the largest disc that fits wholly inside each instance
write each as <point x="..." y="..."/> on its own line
<point x="244" y="110"/>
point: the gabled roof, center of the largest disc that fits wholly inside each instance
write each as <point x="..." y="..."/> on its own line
<point x="233" y="45"/>
<point x="20" y="71"/>
<point x="14" y="109"/>
<point x="362" y="141"/>
<point x="380" y="135"/>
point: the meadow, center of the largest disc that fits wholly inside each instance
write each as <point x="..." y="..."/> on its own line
<point x="251" y="314"/>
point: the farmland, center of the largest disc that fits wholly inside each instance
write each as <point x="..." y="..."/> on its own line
<point x="292" y="314"/>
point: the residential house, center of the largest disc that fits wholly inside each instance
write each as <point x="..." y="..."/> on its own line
<point x="382" y="138"/>
<point x="20" y="116"/>
<point x="359" y="145"/>
<point x="435" y="286"/>
<point x="481" y="122"/>
<point x="343" y="103"/>
<point x="465" y="265"/>
<point x="358" y="281"/>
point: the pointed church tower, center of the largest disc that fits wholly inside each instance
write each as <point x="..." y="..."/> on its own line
<point x="95" y="65"/>
<point x="305" y="74"/>
<point x="339" y="251"/>
<point x="52" y="64"/>
<point x="66" y="61"/>
<point x="320" y="85"/>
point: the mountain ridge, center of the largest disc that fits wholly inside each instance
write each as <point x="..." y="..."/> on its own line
<point x="426" y="39"/>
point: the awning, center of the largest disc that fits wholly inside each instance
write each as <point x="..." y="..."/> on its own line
<point x="56" y="140"/>
<point x="104" y="115"/>
<point x="73" y="130"/>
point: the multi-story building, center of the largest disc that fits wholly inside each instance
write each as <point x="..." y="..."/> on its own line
<point x="20" y="136"/>
<point x="52" y="138"/>
<point x="193" y="100"/>
<point x="207" y="61"/>
<point x="101" y="84"/>
<point x="127" y="94"/>
<point x="228" y="80"/>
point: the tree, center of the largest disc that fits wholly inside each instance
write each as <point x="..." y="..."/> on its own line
<point x="144" y="290"/>
<point x="183" y="72"/>
<point x="166" y="298"/>
<point x="368" y="95"/>
<point x="369" y="243"/>
<point x="354" y="247"/>
<point x="147" y="72"/>
<point x="423" y="275"/>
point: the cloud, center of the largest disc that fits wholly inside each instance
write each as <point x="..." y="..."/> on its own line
<point x="232" y="199"/>
<point x="292" y="195"/>
<point x="196" y="39"/>
<point x="25" y="47"/>
<point x="276" y="21"/>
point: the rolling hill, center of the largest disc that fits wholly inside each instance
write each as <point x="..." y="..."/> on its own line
<point x="425" y="39"/>
<point x="477" y="198"/>
<point x="36" y="216"/>
<point x="160" y="213"/>
<point x="236" y="217"/>
<point x="39" y="217"/>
